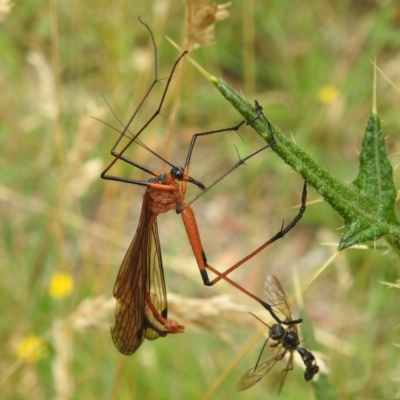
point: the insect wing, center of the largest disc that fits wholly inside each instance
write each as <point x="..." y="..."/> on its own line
<point x="289" y="367"/>
<point x="156" y="283"/>
<point x="276" y="296"/>
<point x="128" y="331"/>
<point x="252" y="376"/>
<point x="130" y="288"/>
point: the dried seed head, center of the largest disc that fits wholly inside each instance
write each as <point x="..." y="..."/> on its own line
<point x="200" y="21"/>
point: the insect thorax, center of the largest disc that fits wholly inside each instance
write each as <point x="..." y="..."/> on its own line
<point x="163" y="200"/>
<point x="291" y="340"/>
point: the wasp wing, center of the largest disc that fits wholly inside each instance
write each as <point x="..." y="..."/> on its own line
<point x="252" y="376"/>
<point x="289" y="367"/>
<point x="276" y="296"/>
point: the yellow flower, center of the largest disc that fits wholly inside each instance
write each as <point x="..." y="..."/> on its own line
<point x="30" y="347"/>
<point x="327" y="94"/>
<point x="61" y="285"/>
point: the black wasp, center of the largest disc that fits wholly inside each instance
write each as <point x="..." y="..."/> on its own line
<point x="286" y="339"/>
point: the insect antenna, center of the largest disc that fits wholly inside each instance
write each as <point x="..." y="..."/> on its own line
<point x="255" y="316"/>
<point x="130" y="136"/>
<point x="265" y="342"/>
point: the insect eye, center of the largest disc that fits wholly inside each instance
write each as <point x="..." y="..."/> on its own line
<point x="277" y="332"/>
<point x="177" y="173"/>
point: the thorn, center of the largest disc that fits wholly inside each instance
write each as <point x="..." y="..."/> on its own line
<point x="240" y="159"/>
<point x="239" y="135"/>
<point x="294" y="140"/>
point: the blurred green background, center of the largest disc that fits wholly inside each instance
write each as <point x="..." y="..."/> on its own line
<point x="65" y="231"/>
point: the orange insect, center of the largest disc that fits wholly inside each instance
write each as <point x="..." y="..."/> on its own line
<point x="140" y="292"/>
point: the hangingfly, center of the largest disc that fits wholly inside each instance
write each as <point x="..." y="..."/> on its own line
<point x="140" y="291"/>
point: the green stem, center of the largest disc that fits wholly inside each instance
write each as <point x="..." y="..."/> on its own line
<point x="346" y="200"/>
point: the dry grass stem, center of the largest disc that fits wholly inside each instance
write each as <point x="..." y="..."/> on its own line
<point x="61" y="365"/>
<point x="96" y="313"/>
<point x="212" y="314"/>
<point x="203" y="314"/>
<point x="93" y="313"/>
<point x="45" y="96"/>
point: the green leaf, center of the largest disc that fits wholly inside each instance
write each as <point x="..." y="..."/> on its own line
<point x="375" y="179"/>
<point x="375" y="183"/>
<point x="367" y="206"/>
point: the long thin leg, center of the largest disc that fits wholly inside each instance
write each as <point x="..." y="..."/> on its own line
<point x="148" y="170"/>
<point x="126" y="159"/>
<point x="283" y="231"/>
<point x="179" y="207"/>
<point x="119" y="155"/>
<point x="170" y="326"/>
<point x="189" y="221"/>
<point x="259" y="111"/>
<point x="155" y="80"/>
<point x="241" y="161"/>
<point x="133" y="138"/>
